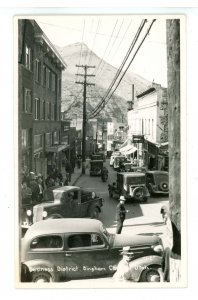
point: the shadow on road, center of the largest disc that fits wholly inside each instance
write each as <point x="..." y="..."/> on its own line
<point x="154" y="224"/>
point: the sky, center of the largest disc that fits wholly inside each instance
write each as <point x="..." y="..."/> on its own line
<point x="110" y="37"/>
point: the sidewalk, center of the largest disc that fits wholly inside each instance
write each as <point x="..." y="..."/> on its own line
<point x="74" y="176"/>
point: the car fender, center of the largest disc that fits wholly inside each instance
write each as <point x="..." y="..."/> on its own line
<point x="93" y="205"/>
<point x="43" y="265"/>
<point x="138" y="265"/>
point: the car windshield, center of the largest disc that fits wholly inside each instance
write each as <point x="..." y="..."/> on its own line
<point x="135" y="180"/>
<point x="57" y="194"/>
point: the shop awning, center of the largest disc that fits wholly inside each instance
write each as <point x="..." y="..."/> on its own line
<point x="131" y="150"/>
<point x="56" y="148"/>
<point x="125" y="148"/>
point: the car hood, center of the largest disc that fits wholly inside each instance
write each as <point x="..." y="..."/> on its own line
<point x="122" y="240"/>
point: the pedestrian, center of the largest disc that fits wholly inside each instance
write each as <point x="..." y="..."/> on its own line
<point x="34" y="187"/>
<point x="171" y="264"/>
<point x="68" y="168"/>
<point x="26" y="193"/>
<point x="41" y="187"/>
<point x="120" y="214"/>
<point x="123" y="272"/>
<point x="48" y="194"/>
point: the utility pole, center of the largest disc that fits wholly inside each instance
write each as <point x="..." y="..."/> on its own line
<point x="85" y="84"/>
<point x="173" y="63"/>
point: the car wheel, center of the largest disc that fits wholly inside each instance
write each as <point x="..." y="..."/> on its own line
<point x="151" y="274"/>
<point x="94" y="213"/>
<point x="41" y="277"/>
<point x="164" y="186"/>
<point x="138" y="193"/>
<point x="145" y="199"/>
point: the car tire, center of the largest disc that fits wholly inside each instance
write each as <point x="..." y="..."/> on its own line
<point x="145" y="199"/>
<point x="94" y="213"/>
<point x="41" y="277"/>
<point x="151" y="274"/>
<point x="138" y="193"/>
<point x="163" y="186"/>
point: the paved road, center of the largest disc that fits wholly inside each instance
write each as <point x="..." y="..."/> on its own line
<point x="142" y="218"/>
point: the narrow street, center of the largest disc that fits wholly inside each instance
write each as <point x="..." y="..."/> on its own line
<point x="143" y="218"/>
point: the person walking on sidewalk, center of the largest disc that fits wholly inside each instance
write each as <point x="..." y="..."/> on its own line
<point x="120" y="214"/>
<point x="68" y="169"/>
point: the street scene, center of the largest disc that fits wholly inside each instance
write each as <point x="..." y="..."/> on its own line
<point x="99" y="150"/>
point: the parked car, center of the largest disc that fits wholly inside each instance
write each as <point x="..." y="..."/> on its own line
<point x="114" y="154"/>
<point x="157" y="182"/>
<point x="118" y="162"/>
<point x="69" y="201"/>
<point x="131" y="185"/>
<point x="96" y="167"/>
<point x="59" y="250"/>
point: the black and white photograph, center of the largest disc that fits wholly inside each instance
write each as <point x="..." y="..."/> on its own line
<point x="100" y="109"/>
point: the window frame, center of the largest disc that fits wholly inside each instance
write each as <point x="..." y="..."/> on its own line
<point x="47" y="248"/>
<point x="28" y="58"/>
<point x="25" y="102"/>
<point x="102" y="246"/>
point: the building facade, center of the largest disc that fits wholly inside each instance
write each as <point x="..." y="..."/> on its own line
<point x="147" y="118"/>
<point x="40" y="75"/>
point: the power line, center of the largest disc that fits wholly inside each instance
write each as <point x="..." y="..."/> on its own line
<point x="101" y="60"/>
<point x="102" y="68"/>
<point x="103" y="104"/>
<point x="123" y="63"/>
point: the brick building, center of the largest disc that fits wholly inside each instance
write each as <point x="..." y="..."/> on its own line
<point x="39" y="86"/>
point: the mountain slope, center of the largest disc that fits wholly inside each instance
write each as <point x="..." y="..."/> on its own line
<point x="72" y="93"/>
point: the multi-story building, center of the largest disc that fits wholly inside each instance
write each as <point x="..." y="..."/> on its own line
<point x="40" y="75"/>
<point x="147" y="118"/>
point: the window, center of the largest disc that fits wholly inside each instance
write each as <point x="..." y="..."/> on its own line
<point x="27" y="101"/>
<point x="53" y="82"/>
<point x="37" y="109"/>
<point x="28" y="58"/>
<point x="43" y="110"/>
<point x="55" y="138"/>
<point x="48" y="139"/>
<point x="26" y="138"/>
<point x="38" y="142"/>
<point x="37" y="70"/>
<point x="52" y="111"/>
<point x="85" y="240"/>
<point x="48" y="110"/>
<point x="44" y="75"/>
<point x="53" y="241"/>
<point x="48" y="79"/>
<point x="149" y="126"/>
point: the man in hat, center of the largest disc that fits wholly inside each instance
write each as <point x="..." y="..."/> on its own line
<point x="123" y="272"/>
<point x="120" y="214"/>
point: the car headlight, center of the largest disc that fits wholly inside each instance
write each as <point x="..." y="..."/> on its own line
<point x="157" y="248"/>
<point x="29" y="212"/>
<point x="44" y="214"/>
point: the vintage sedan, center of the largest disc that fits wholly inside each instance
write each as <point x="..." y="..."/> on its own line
<point x="69" y="201"/>
<point x="157" y="182"/>
<point x="64" y="249"/>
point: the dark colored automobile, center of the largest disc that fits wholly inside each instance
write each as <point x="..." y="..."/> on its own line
<point x="129" y="167"/>
<point x="69" y="202"/>
<point x="64" y="249"/>
<point x="131" y="185"/>
<point x="96" y="167"/>
<point x="118" y="162"/>
<point x="157" y="182"/>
